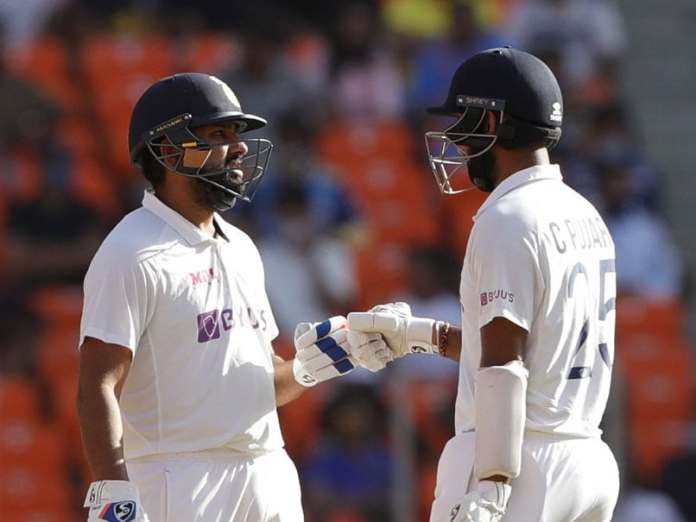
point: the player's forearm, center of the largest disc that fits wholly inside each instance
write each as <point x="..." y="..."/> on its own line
<point x="102" y="432"/>
<point x="287" y="389"/>
<point x="452" y="347"/>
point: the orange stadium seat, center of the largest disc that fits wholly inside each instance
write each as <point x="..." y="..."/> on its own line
<point x="118" y="69"/>
<point x="59" y="305"/>
<point x="457" y="214"/>
<point x="640" y="318"/>
<point x="25" y="488"/>
<point x="658" y="369"/>
<point x="33" y="444"/>
<point x="348" y="143"/>
<point x="45" y="62"/>
<point x="380" y="269"/>
<point x="393" y="193"/>
<point x="94" y="188"/>
<point x="112" y="61"/>
<point x="39" y="515"/>
<point x="18" y="399"/>
<point x="206" y="52"/>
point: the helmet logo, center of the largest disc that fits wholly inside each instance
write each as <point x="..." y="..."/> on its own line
<point x="557" y="114"/>
<point x="226" y="89"/>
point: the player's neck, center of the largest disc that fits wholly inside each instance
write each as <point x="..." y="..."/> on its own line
<point x="184" y="204"/>
<point x="511" y="161"/>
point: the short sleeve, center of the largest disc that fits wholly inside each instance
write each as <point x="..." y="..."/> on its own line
<point x="505" y="272"/>
<point x="116" y="298"/>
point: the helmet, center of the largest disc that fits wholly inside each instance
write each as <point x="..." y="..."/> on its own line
<point x="165" y="119"/>
<point x="522" y="93"/>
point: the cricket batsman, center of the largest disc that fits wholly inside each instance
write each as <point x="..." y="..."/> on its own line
<point x="538" y="295"/>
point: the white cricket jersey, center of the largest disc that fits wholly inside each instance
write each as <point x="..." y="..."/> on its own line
<point x="540" y="256"/>
<point x="193" y="309"/>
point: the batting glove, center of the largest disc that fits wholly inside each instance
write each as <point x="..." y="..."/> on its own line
<point x="486" y="504"/>
<point x="369" y="350"/>
<point x="114" y="501"/>
<point x="321" y="351"/>
<point x="403" y="333"/>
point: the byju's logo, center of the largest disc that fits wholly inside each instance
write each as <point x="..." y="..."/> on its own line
<point x="503" y="295"/>
<point x="211" y="324"/>
<point x="208" y="326"/>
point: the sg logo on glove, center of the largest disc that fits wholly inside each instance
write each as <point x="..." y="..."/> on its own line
<point x="119" y="511"/>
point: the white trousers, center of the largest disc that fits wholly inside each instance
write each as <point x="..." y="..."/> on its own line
<point x="561" y="480"/>
<point x="218" y="486"/>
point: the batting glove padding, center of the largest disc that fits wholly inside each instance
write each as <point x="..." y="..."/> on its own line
<point x="403" y="333"/>
<point x="114" y="501"/>
<point x="486" y="504"/>
<point x="369" y="350"/>
<point x="321" y="351"/>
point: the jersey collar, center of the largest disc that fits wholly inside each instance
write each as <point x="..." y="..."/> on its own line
<point x="519" y="178"/>
<point x="192" y="234"/>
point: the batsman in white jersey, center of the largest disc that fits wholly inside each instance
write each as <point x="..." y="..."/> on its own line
<point x="179" y="383"/>
<point x="536" y="345"/>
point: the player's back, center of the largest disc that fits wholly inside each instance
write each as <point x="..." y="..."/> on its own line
<point x="560" y="286"/>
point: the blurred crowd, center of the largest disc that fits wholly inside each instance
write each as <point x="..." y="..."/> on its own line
<point x="347" y="216"/>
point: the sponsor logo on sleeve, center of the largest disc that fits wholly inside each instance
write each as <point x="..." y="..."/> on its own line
<point x="497" y="295"/>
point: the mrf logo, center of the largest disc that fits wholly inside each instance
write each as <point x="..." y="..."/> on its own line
<point x="118" y="511"/>
<point x="502" y="295"/>
<point x="212" y="324"/>
<point x="202" y="276"/>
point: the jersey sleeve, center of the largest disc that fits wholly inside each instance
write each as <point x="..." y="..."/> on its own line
<point x="117" y="294"/>
<point x="505" y="271"/>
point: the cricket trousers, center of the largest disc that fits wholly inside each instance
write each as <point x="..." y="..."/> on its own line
<point x="218" y="486"/>
<point x="561" y="479"/>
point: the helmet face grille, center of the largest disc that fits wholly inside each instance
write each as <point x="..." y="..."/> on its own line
<point x="449" y="151"/>
<point x="177" y="148"/>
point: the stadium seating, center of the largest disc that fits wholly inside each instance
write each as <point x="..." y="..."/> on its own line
<point x="658" y="370"/>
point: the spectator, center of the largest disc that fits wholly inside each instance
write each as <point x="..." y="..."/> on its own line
<point x="265" y="82"/>
<point x="52" y="235"/>
<point x="610" y="135"/>
<point x="434" y="64"/>
<point x="351" y="457"/>
<point x="27" y="114"/>
<point x="309" y="275"/>
<point x="589" y="34"/>
<point x="330" y="208"/>
<point x="26" y="19"/>
<point x="647" y="260"/>
<point x="366" y="82"/>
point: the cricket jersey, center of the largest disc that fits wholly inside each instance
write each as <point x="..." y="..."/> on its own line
<point x="540" y="255"/>
<point x="193" y="310"/>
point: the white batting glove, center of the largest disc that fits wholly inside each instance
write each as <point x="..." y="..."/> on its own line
<point x="114" y="501"/>
<point x="486" y="504"/>
<point x="403" y="333"/>
<point x="322" y="351"/>
<point x="369" y="350"/>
